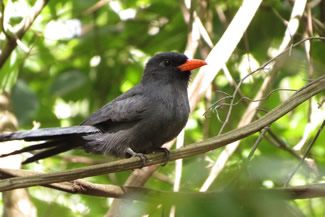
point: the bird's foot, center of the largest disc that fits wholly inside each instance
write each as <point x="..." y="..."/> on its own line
<point x="167" y="154"/>
<point x="142" y="156"/>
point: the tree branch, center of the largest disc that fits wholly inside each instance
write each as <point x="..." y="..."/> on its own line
<point x="155" y="196"/>
<point x="23" y="27"/>
<point x="296" y="99"/>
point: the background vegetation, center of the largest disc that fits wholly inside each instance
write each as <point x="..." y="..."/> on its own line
<point x="77" y="55"/>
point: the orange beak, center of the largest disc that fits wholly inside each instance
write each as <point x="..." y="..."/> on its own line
<point x="191" y="64"/>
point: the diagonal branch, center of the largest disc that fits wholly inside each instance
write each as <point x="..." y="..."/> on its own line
<point x="299" y="97"/>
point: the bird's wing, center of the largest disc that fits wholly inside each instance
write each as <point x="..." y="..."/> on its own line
<point x="128" y="107"/>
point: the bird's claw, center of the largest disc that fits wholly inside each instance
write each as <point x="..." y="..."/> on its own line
<point x="167" y="154"/>
<point x="142" y="156"/>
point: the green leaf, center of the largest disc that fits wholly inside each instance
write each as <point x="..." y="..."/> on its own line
<point x="9" y="72"/>
<point x="25" y="103"/>
<point x="67" y="82"/>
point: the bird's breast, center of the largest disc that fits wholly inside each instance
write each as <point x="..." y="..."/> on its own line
<point x="169" y="115"/>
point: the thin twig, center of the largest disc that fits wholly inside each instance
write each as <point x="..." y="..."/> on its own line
<point x="95" y="7"/>
<point x="280" y="144"/>
<point x="249" y="157"/>
<point x="306" y="153"/>
<point x="215" y="108"/>
<point x="259" y="69"/>
<point x="320" y="104"/>
<point x="258" y="141"/>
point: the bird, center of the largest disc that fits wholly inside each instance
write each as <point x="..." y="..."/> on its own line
<point x="136" y="123"/>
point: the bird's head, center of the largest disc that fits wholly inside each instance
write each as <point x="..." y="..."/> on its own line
<point x="170" y="66"/>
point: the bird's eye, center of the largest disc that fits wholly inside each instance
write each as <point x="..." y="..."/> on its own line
<point x="166" y="62"/>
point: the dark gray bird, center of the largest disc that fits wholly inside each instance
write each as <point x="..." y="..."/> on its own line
<point x="137" y="122"/>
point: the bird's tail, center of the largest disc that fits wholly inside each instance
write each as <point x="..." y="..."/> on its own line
<point x="59" y="140"/>
<point x="48" y="133"/>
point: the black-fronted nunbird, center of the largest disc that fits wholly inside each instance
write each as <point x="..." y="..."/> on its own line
<point x="137" y="122"/>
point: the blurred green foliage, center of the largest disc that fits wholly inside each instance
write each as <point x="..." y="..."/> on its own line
<point x="79" y="60"/>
